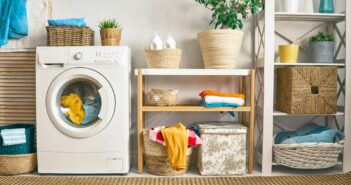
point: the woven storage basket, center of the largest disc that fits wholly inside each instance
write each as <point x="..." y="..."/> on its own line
<point x="161" y="97"/>
<point x="220" y="48"/>
<point x="307" y="90"/>
<point x="70" y="36"/>
<point x="164" y="58"/>
<point x="156" y="159"/>
<point x="24" y="148"/>
<point x="110" y="36"/>
<point x="307" y="155"/>
<point x="17" y="164"/>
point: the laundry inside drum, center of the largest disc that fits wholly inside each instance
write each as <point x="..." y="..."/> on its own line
<point x="79" y="103"/>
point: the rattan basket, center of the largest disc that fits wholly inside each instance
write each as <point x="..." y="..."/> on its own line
<point x="69" y="36"/>
<point x="161" y="97"/>
<point x="156" y="159"/>
<point x="17" y="164"/>
<point x="110" y="36"/>
<point x="307" y="155"/>
<point x="164" y="58"/>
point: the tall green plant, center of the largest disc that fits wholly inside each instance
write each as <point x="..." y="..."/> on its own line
<point x="230" y="13"/>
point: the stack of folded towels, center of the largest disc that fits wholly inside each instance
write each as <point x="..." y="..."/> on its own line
<point x="210" y="98"/>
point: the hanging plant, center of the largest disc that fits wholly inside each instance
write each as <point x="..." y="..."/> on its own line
<point x="231" y="13"/>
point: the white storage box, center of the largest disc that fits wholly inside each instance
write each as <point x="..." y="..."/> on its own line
<point x="223" y="149"/>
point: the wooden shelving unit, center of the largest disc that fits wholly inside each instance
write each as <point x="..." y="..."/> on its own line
<point x="241" y="73"/>
<point x="265" y="64"/>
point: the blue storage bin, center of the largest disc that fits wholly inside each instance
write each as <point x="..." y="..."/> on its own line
<point x="25" y="148"/>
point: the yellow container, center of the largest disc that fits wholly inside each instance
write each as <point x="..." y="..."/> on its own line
<point x="288" y="53"/>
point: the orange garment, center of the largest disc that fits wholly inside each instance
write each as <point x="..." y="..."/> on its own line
<point x="176" y="140"/>
<point x="217" y="93"/>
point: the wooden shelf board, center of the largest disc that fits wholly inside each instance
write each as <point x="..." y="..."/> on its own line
<point x="279" y="113"/>
<point x="194" y="72"/>
<point x="193" y="108"/>
<point x="320" y="17"/>
<point x="309" y="64"/>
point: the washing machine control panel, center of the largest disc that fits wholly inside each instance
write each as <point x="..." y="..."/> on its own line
<point x="97" y="56"/>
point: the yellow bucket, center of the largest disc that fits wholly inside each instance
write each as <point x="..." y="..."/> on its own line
<point x="288" y="53"/>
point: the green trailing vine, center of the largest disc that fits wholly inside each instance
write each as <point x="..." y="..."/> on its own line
<point x="320" y="37"/>
<point x="230" y="13"/>
<point x="109" y="23"/>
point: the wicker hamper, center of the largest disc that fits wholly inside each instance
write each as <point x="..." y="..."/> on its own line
<point x="161" y="97"/>
<point x="164" y="58"/>
<point x="70" y="36"/>
<point x="156" y="159"/>
<point x="307" y="155"/>
<point x="17" y="164"/>
<point x="307" y="90"/>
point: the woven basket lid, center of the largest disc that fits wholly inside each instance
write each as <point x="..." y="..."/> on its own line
<point x="221" y="128"/>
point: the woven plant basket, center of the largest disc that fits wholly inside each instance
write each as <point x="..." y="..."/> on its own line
<point x="160" y="97"/>
<point x="17" y="164"/>
<point x="307" y="155"/>
<point x="220" y="48"/>
<point x="156" y="159"/>
<point x="164" y="58"/>
<point x="69" y="36"/>
<point x="110" y="36"/>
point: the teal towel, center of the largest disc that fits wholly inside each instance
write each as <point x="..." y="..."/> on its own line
<point x="13" y="20"/>
<point x="218" y="104"/>
<point x="67" y="22"/>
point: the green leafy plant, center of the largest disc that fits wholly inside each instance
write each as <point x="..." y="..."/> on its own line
<point x="109" y="23"/>
<point x="320" y="37"/>
<point x="230" y="13"/>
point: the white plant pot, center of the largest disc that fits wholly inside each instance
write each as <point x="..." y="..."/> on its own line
<point x="290" y="6"/>
<point x="306" y="6"/>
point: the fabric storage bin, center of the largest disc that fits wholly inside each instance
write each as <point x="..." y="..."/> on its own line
<point x="25" y="148"/>
<point x="223" y="149"/>
<point x="17" y="164"/>
<point x="156" y="158"/>
<point x="70" y="36"/>
<point x="307" y="90"/>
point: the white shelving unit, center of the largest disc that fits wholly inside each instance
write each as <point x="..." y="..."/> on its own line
<point x="265" y="65"/>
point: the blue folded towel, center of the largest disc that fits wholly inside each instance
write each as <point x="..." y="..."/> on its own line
<point x="13" y="136"/>
<point x="218" y="104"/>
<point x="312" y="133"/>
<point x="67" y="22"/>
<point x="14" y="22"/>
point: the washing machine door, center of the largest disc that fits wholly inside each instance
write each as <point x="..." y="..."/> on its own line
<point x="80" y="102"/>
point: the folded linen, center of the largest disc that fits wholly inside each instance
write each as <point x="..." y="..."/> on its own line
<point x="67" y="22"/>
<point x="13" y="136"/>
<point x="193" y="139"/>
<point x="218" y="104"/>
<point x="311" y="133"/>
<point x="217" y="93"/>
<point x="222" y="99"/>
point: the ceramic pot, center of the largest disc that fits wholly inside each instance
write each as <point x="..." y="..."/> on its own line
<point x="290" y="6"/>
<point x="220" y="48"/>
<point x="306" y="6"/>
<point x="288" y="53"/>
<point x="322" y="52"/>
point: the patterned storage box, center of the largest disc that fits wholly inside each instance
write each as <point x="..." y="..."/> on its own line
<point x="223" y="151"/>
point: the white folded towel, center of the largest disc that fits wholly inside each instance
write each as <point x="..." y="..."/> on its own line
<point x="13" y="136"/>
<point x="221" y="99"/>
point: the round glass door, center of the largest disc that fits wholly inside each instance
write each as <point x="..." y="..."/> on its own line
<point x="80" y="102"/>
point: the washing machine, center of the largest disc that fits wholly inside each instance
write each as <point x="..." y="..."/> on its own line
<point x="90" y="134"/>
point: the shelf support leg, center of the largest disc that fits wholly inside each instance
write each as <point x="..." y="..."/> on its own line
<point x="243" y="91"/>
<point x="252" y="121"/>
<point x="140" y="90"/>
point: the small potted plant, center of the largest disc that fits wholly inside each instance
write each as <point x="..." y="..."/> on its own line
<point x="322" y="48"/>
<point x="221" y="47"/>
<point x="110" y="32"/>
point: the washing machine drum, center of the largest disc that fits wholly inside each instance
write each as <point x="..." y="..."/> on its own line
<point x="80" y="102"/>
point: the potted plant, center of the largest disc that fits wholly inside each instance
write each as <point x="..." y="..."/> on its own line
<point x="110" y="32"/>
<point x="221" y="47"/>
<point x="322" y="48"/>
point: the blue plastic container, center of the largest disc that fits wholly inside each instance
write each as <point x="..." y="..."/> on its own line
<point x="326" y="6"/>
<point x="25" y="148"/>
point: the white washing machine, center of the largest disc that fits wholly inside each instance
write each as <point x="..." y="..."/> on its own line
<point x="100" y="77"/>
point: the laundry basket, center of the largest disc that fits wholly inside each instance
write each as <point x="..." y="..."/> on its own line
<point x="307" y="155"/>
<point x="163" y="58"/>
<point x="25" y="148"/>
<point x="17" y="164"/>
<point x="70" y="36"/>
<point x="162" y="97"/>
<point x="156" y="158"/>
